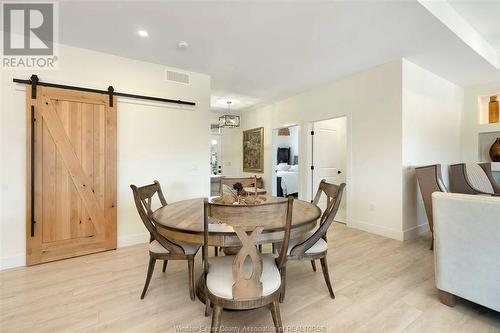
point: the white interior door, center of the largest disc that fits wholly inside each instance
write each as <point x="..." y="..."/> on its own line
<point x="326" y="156"/>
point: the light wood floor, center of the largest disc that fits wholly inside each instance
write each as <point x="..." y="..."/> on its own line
<point x="381" y="285"/>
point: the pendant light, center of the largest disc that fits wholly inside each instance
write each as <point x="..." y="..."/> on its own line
<point x="229" y="120"/>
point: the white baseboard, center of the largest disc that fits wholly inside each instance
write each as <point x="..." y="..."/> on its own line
<point x="17" y="260"/>
<point x="414" y="232"/>
<point x="128" y="240"/>
<point x="378" y="230"/>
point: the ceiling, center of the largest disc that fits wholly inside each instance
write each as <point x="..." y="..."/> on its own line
<point x="484" y="16"/>
<point x="257" y="52"/>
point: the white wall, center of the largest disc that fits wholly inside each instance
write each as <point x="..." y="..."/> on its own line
<point x="372" y="101"/>
<point x="432" y="118"/>
<point x="155" y="141"/>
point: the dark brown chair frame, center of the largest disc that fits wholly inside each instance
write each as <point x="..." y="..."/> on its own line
<point x="429" y="181"/>
<point x="247" y="296"/>
<point x="143" y="199"/>
<point x="333" y="195"/>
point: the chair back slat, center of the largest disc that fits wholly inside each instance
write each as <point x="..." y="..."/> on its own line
<point x="143" y="198"/>
<point x="334" y="193"/>
<point x="248" y="222"/>
<point x="328" y="190"/>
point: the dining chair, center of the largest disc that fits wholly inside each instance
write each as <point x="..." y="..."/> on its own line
<point x="471" y="178"/>
<point x="429" y="181"/>
<point x="249" y="279"/>
<point x="315" y="246"/>
<point x="251" y="185"/>
<point x="161" y="248"/>
<point x="489" y="173"/>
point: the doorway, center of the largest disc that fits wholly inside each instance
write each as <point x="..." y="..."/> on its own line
<point x="329" y="158"/>
<point x="286" y="177"/>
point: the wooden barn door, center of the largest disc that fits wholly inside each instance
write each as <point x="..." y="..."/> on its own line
<point x="72" y="164"/>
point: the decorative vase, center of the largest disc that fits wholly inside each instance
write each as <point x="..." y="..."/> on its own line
<point x="495" y="151"/>
<point x="493" y="114"/>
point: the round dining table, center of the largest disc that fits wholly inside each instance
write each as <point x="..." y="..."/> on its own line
<point x="183" y="221"/>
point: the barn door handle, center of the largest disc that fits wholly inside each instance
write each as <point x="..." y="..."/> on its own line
<point x="33" y="119"/>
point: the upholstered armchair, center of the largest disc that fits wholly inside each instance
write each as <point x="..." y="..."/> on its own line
<point x="471" y="178"/>
<point x="467" y="244"/>
<point x="429" y="181"/>
<point x="487" y="170"/>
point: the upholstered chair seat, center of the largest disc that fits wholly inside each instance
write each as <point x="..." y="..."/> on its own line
<point x="220" y="275"/>
<point x="156" y="247"/>
<point x="320" y="246"/>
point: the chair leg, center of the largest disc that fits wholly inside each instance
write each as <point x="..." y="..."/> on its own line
<point x="260" y="248"/>
<point x="313" y="264"/>
<point x="274" y="248"/>
<point x="275" y="312"/>
<point x="446" y="298"/>
<point x="151" y="268"/>
<point x="207" y="306"/>
<point x="164" y="265"/>
<point x="324" y="267"/>
<point x="432" y="243"/>
<point x="216" y="316"/>
<point x="216" y="251"/>
<point x="283" y="284"/>
<point x="191" y="278"/>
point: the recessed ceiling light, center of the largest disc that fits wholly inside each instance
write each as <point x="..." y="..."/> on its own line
<point x="183" y="45"/>
<point x="143" y="33"/>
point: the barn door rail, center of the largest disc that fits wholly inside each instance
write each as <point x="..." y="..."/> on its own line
<point x="34" y="82"/>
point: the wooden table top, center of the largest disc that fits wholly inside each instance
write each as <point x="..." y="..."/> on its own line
<point x="187" y="216"/>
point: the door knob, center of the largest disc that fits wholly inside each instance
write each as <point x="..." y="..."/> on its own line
<point x="339" y="172"/>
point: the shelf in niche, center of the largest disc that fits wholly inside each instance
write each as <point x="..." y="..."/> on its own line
<point x="485" y="140"/>
<point x="483" y="102"/>
<point x="488" y="128"/>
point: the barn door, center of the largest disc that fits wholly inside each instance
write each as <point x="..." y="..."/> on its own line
<point x="72" y="168"/>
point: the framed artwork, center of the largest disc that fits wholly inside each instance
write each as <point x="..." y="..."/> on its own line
<point x="253" y="150"/>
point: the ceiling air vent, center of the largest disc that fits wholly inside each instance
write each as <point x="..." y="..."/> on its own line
<point x="176" y="77"/>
